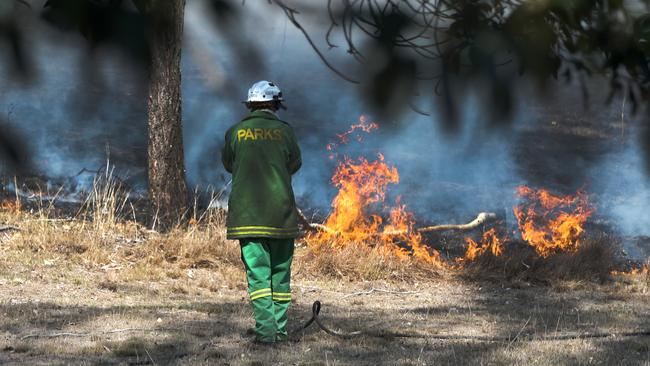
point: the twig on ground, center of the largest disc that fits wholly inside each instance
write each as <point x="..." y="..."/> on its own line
<point x="373" y="290"/>
<point x="9" y="228"/>
<point x="518" y="334"/>
<point x="92" y="334"/>
<point x="312" y="226"/>
<point x="151" y="358"/>
<point x="52" y="220"/>
<point x="314" y="289"/>
<point x="360" y="293"/>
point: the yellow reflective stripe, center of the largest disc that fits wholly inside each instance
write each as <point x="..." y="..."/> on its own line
<point x="268" y="289"/>
<point x="262" y="233"/>
<point x="267" y="228"/>
<point x="282" y="296"/>
<point x="260" y="296"/>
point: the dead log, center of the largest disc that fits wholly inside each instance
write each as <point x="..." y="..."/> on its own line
<point x="481" y="219"/>
<point x="312" y="226"/>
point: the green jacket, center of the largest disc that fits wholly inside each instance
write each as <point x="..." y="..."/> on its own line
<point x="261" y="152"/>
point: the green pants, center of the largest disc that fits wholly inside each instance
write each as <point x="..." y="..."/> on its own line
<point x="268" y="270"/>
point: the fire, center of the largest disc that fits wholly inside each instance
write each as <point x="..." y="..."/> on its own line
<point x="643" y="270"/>
<point x="362" y="186"/>
<point x="400" y="228"/>
<point x="10" y="205"/>
<point x="343" y="138"/>
<point x="363" y="125"/>
<point x="360" y="215"/>
<point x="551" y="223"/>
<point x="491" y="242"/>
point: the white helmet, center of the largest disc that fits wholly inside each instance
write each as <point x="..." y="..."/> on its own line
<point x="264" y="91"/>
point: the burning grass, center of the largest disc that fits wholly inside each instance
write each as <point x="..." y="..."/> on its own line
<point x="362" y="186"/>
<point x="593" y="261"/>
<point x="362" y="224"/>
<point x="102" y="237"/>
<point x="491" y="243"/>
<point x="364" y="238"/>
<point x="551" y="223"/>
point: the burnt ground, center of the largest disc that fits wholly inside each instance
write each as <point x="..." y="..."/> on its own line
<point x="561" y="137"/>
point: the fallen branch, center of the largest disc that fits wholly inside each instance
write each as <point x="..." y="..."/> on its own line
<point x="481" y="219"/>
<point x="51" y="220"/>
<point x="312" y="226"/>
<point x="8" y="228"/>
<point x="92" y="334"/>
<point x="305" y="289"/>
<point x="373" y="290"/>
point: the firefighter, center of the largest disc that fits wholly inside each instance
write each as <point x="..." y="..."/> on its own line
<point x="261" y="153"/>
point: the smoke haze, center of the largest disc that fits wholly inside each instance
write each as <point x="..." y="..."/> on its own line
<point x="71" y="121"/>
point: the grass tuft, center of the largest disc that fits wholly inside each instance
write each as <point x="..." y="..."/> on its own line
<point x="363" y="263"/>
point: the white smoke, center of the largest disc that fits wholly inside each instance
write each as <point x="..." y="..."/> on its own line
<point x="626" y="189"/>
<point x="443" y="177"/>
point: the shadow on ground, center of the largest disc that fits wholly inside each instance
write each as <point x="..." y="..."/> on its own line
<point x="215" y="332"/>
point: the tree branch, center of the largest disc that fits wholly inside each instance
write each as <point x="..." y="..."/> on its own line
<point x="291" y="15"/>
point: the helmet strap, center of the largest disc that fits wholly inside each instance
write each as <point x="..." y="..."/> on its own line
<point x="272" y="105"/>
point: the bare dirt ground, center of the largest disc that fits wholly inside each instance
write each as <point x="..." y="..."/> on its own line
<point x="57" y="312"/>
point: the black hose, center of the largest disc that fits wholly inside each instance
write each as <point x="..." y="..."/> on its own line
<point x="316" y="307"/>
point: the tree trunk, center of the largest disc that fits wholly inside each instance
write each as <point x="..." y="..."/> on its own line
<point x="167" y="186"/>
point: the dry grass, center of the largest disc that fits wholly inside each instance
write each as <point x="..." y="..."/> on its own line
<point x="364" y="263"/>
<point x="135" y="252"/>
<point x="101" y="239"/>
<point x="105" y="235"/>
<point x="102" y="271"/>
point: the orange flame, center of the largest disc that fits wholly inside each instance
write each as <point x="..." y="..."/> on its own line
<point x="490" y="242"/>
<point x="548" y="222"/>
<point x="363" y="125"/>
<point x="10" y="205"/>
<point x="551" y="223"/>
<point x="344" y="138"/>
<point x="362" y="186"/>
<point x="643" y="270"/>
<point x="402" y="222"/>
